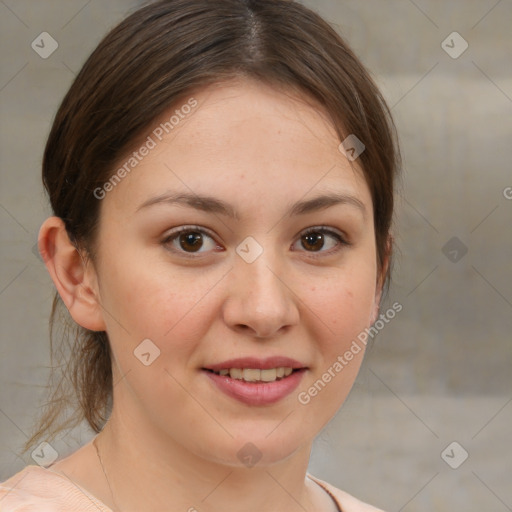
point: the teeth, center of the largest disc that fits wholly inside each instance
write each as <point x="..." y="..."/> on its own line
<point x="236" y="373"/>
<point x="250" y="375"/>
<point x="256" y="375"/>
<point x="269" y="375"/>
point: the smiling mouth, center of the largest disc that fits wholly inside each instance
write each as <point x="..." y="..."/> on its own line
<point x="255" y="374"/>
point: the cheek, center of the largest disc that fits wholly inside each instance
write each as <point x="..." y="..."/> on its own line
<point x="343" y="303"/>
<point x="170" y="309"/>
<point x="165" y="305"/>
<point x="342" y="309"/>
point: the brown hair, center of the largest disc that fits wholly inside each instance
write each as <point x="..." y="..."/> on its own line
<point x="138" y="71"/>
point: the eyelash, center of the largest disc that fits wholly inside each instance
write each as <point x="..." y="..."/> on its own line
<point x="341" y="241"/>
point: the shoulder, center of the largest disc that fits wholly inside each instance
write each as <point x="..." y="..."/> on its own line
<point x="36" y="489"/>
<point x="346" y="502"/>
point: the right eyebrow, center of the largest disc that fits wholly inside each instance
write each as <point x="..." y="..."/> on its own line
<point x="199" y="202"/>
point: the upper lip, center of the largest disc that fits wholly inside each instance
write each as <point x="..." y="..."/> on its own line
<point x="257" y="363"/>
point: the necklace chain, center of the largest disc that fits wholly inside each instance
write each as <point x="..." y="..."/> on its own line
<point x="105" y="473"/>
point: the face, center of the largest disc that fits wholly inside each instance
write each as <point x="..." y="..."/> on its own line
<point x="239" y="248"/>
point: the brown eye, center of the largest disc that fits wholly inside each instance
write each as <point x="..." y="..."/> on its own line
<point x="191" y="240"/>
<point x="313" y="241"/>
<point x="322" y="241"/>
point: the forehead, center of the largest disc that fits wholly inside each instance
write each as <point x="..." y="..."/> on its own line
<point x="241" y="137"/>
<point x="244" y="117"/>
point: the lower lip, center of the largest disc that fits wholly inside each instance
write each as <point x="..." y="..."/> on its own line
<point x="256" y="393"/>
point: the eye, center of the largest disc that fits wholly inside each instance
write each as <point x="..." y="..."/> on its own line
<point x="321" y="240"/>
<point x="190" y="240"/>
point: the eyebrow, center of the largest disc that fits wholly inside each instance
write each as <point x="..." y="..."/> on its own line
<point x="213" y="205"/>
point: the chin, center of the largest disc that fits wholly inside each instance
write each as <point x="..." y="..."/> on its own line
<point x="255" y="447"/>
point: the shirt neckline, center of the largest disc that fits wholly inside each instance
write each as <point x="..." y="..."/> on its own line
<point x="85" y="492"/>
<point x="327" y="491"/>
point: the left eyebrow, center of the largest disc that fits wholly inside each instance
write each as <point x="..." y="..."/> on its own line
<point x="326" y="201"/>
<point x="213" y="205"/>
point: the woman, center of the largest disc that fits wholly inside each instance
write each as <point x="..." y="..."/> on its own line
<point x="221" y="176"/>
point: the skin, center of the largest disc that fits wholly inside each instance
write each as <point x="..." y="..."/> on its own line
<point x="260" y="150"/>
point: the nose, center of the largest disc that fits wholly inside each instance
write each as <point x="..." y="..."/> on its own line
<point x="260" y="302"/>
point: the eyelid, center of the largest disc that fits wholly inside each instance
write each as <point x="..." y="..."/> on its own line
<point x="190" y="227"/>
<point x="325" y="229"/>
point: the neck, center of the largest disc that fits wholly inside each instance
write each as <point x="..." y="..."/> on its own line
<point x="147" y="471"/>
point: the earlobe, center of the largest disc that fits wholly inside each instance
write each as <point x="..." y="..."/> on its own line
<point x="75" y="280"/>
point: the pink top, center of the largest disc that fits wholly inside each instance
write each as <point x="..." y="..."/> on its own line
<point x="37" y="489"/>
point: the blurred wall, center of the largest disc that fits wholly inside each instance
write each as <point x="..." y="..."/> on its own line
<point x="439" y="372"/>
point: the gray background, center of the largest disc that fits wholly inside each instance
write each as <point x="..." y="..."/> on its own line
<point x="439" y="372"/>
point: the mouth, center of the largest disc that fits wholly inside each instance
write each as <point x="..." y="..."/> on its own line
<point x="255" y="381"/>
<point x="256" y="374"/>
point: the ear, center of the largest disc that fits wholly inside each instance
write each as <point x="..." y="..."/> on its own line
<point x="381" y="279"/>
<point x="75" y="279"/>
